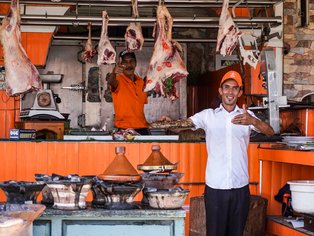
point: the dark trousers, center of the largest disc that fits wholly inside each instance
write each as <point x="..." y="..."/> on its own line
<point x="226" y="211"/>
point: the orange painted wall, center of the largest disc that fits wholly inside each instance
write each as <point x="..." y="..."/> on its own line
<point x="36" y="46"/>
<point x="9" y="113"/>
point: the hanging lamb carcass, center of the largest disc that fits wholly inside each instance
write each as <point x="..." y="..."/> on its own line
<point x="106" y="52"/>
<point x="228" y="33"/>
<point x="89" y="50"/>
<point x="21" y="76"/>
<point x="134" y="39"/>
<point x="166" y="66"/>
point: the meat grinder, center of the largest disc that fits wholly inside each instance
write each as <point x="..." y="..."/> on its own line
<point x="42" y="104"/>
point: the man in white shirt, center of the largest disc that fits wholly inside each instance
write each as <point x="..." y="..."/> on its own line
<point x="227" y="129"/>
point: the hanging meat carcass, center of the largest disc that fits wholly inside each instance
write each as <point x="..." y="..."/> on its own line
<point x="166" y="66"/>
<point x="134" y="39"/>
<point x="228" y="33"/>
<point x="21" y="75"/>
<point x="89" y="51"/>
<point x="106" y="52"/>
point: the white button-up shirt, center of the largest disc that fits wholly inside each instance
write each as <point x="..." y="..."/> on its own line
<point x="226" y="143"/>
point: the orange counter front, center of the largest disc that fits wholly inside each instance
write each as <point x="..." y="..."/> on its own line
<point x="21" y="160"/>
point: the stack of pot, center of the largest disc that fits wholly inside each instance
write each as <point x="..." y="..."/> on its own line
<point x="119" y="183"/>
<point x="161" y="190"/>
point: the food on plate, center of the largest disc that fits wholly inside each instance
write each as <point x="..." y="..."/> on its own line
<point x="172" y="124"/>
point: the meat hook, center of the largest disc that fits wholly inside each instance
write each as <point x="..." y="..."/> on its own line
<point x="161" y="2"/>
<point x="76" y="9"/>
<point x="235" y="6"/>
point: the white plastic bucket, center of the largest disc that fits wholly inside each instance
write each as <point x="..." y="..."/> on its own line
<point x="302" y="195"/>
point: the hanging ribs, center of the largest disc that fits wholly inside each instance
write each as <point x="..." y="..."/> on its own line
<point x="228" y="33"/>
<point x="21" y="76"/>
<point x="166" y="66"/>
<point x="106" y="52"/>
<point x="133" y="36"/>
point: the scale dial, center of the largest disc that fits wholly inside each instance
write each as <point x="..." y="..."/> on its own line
<point x="44" y="99"/>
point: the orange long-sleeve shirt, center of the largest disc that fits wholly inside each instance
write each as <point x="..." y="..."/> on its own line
<point x="128" y="102"/>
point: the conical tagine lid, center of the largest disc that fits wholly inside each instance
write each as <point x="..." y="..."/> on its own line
<point x="120" y="169"/>
<point x="157" y="161"/>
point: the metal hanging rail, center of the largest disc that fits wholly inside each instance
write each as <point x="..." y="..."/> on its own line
<point x="122" y="39"/>
<point x="194" y="22"/>
<point x="150" y="3"/>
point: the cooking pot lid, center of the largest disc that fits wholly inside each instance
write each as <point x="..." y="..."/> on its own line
<point x="120" y="168"/>
<point x="157" y="162"/>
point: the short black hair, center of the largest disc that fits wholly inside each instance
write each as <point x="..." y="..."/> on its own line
<point x="126" y="52"/>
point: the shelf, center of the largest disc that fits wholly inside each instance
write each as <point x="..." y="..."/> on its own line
<point x="267" y="153"/>
<point x="279" y="226"/>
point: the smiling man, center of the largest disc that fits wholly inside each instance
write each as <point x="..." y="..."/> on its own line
<point x="128" y="95"/>
<point x="227" y="129"/>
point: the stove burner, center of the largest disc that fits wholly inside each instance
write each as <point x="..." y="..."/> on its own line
<point x="119" y="196"/>
<point x="67" y="192"/>
<point x="161" y="181"/>
<point x="21" y="192"/>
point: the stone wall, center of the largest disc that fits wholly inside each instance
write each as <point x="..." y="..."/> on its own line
<point x="299" y="62"/>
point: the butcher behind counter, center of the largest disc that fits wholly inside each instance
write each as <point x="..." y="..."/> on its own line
<point x="128" y="95"/>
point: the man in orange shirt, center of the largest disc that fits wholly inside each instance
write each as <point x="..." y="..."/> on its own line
<point x="128" y="95"/>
